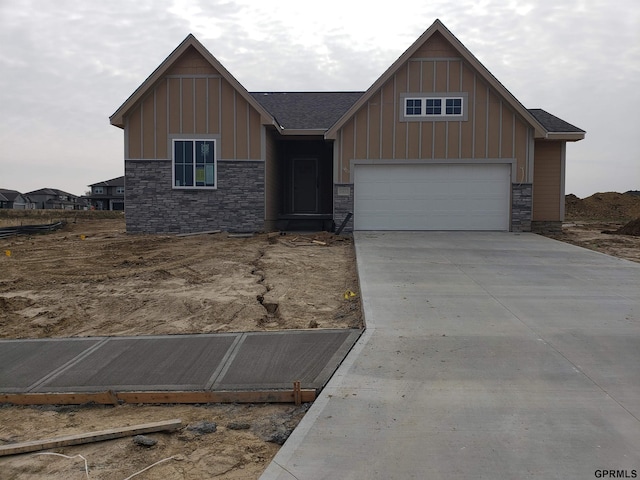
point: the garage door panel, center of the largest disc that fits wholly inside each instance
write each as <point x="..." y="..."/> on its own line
<point x="432" y="197"/>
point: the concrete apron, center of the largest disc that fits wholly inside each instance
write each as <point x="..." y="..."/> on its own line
<point x="486" y="355"/>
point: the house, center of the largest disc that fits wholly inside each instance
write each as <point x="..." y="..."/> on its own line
<point x="107" y="195"/>
<point x="13" y="199"/>
<point x="436" y="143"/>
<point x="52" y="198"/>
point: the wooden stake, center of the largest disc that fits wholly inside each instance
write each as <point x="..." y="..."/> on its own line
<point x="83" y="438"/>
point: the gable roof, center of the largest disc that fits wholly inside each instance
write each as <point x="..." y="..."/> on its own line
<point x="308" y="111"/>
<point x="7" y="195"/>
<point x="51" y="191"/>
<point x="114" y="182"/>
<point x="557" y="128"/>
<point x="117" y="118"/>
<point x="438" y="27"/>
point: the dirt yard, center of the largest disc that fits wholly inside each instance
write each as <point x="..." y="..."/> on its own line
<point x="91" y="278"/>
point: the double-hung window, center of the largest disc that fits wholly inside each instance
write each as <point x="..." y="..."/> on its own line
<point x="194" y="164"/>
<point x="434" y="107"/>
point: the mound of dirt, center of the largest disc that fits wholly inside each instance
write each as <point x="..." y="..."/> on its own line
<point x="601" y="206"/>
<point x="631" y="228"/>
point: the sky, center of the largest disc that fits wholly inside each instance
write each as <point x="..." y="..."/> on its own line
<point x="66" y="66"/>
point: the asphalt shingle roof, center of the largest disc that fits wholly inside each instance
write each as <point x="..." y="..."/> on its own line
<point x="307" y="110"/>
<point x="114" y="182"/>
<point x="553" y="123"/>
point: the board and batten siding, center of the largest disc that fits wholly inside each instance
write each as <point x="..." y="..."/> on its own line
<point x="193" y="98"/>
<point x="548" y="181"/>
<point x="493" y="130"/>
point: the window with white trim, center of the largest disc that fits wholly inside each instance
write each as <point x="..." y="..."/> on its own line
<point x="433" y="107"/>
<point x="194" y="163"/>
<point x="120" y="190"/>
<point x="98" y="190"/>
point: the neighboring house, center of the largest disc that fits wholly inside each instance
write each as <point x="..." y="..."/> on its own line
<point x="107" y="195"/>
<point x="436" y="143"/>
<point x="52" y="198"/>
<point x="13" y="199"/>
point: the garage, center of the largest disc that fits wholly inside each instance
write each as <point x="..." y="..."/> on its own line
<point x="432" y="196"/>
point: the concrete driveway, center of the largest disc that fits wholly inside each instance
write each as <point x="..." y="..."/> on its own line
<point x="486" y="356"/>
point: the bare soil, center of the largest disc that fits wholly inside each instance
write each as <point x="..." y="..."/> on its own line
<point x="111" y="283"/>
<point x="93" y="279"/>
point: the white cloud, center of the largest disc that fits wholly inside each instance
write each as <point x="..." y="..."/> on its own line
<point x="66" y="66"/>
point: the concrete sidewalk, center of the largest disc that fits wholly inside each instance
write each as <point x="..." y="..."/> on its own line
<point x="486" y="356"/>
<point x="208" y="362"/>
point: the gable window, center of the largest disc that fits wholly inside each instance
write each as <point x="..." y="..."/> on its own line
<point x="194" y="164"/>
<point x="434" y="107"/>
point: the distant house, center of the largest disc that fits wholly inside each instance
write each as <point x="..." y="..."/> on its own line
<point x="436" y="143"/>
<point x="107" y="195"/>
<point x="52" y="198"/>
<point x="13" y="199"/>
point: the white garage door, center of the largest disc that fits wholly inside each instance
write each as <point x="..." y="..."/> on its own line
<point x="432" y="197"/>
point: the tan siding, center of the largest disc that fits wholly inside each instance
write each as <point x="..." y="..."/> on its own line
<point x="427" y="139"/>
<point x="192" y="63"/>
<point x="389" y="118"/>
<point x="242" y="131"/>
<point x="467" y="127"/>
<point x="547" y="178"/>
<point x="174" y="105"/>
<point x="522" y="138"/>
<point x="441" y="76"/>
<point x="374" y="126"/>
<point x="148" y="132"/>
<point x="161" y="120"/>
<point x="214" y="105"/>
<point x="494" y="125"/>
<point x="400" y="139"/>
<point x="437" y="46"/>
<point x="347" y="150"/>
<point x="413" y="76"/>
<point x="453" y="146"/>
<point x="255" y="130"/>
<point x="201" y="105"/>
<point x="507" y="132"/>
<point x="413" y="140"/>
<point x="440" y="140"/>
<point x="187" y="106"/>
<point x="480" y="120"/>
<point x="454" y="76"/>
<point x="228" y="120"/>
<point x="135" y="140"/>
<point x="428" y="85"/>
<point x="361" y="133"/>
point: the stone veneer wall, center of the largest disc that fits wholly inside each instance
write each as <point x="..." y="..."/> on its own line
<point x="521" y="207"/>
<point x="152" y="206"/>
<point x="343" y="204"/>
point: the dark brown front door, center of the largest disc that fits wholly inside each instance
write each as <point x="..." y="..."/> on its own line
<point x="305" y="185"/>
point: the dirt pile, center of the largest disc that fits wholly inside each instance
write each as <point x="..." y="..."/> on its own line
<point x="630" y="228"/>
<point x="603" y="206"/>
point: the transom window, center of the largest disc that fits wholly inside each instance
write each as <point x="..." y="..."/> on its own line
<point x="194" y="164"/>
<point x="445" y="107"/>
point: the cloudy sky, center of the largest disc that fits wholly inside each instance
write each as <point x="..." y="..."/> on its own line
<point x="66" y="66"/>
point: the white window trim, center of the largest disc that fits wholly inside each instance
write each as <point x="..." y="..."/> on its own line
<point x="173" y="163"/>
<point x="119" y="190"/>
<point x="442" y="116"/>
<point x="98" y="190"/>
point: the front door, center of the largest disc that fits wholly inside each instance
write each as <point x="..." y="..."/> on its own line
<point x="305" y="185"/>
